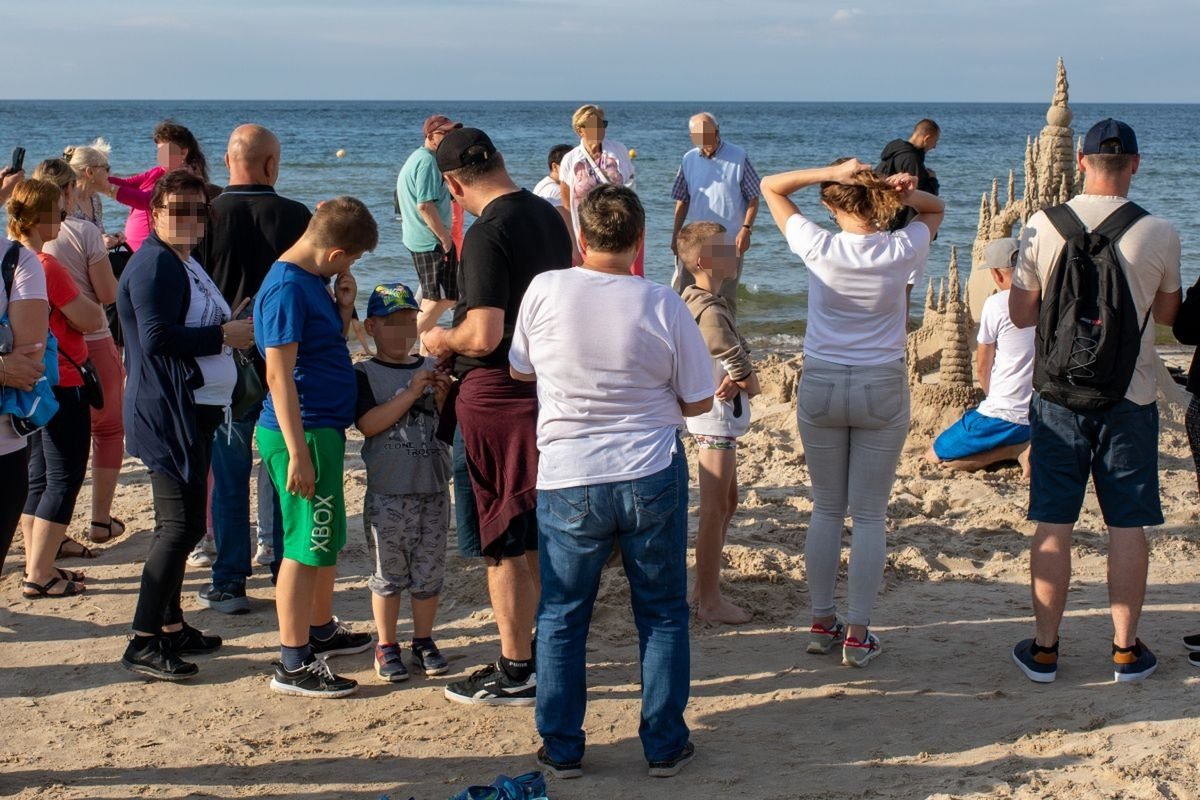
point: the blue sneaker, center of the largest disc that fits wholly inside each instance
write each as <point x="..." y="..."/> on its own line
<point x="389" y="665"/>
<point x="479" y="793"/>
<point x="529" y="786"/>
<point x="1040" y="664"/>
<point x="1133" y="663"/>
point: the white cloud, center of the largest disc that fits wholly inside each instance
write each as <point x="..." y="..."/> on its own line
<point x="846" y="14"/>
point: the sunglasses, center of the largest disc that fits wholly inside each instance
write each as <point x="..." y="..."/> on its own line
<point x="197" y="210"/>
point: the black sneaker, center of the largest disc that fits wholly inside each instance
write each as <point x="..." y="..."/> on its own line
<point x="559" y="769"/>
<point x="1192" y="642"/>
<point x="157" y="658"/>
<point x="344" y="642"/>
<point x="313" y="679"/>
<point x="1194" y="659"/>
<point x="491" y="686"/>
<point x="190" y="642"/>
<point x="228" y="599"/>
<point x="429" y="659"/>
<point x="670" y="768"/>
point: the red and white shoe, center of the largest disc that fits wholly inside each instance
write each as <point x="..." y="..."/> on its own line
<point x="858" y="653"/>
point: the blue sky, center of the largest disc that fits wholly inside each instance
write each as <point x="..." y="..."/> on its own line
<point x="854" y="50"/>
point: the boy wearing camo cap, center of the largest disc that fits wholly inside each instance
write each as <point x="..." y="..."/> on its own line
<point x="406" y="512"/>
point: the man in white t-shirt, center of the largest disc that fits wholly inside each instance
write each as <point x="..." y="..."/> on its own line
<point x="549" y="188"/>
<point x="611" y="470"/>
<point x="998" y="430"/>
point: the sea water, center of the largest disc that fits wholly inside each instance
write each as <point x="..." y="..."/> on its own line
<point x="979" y="142"/>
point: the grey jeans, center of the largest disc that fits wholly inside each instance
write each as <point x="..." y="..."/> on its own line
<point x="853" y="423"/>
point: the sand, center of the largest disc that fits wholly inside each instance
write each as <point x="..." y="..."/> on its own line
<point x="941" y="713"/>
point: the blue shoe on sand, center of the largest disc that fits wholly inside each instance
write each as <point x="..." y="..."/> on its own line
<point x="529" y="786"/>
<point x="1040" y="664"/>
<point x="1134" y="663"/>
<point x="479" y="793"/>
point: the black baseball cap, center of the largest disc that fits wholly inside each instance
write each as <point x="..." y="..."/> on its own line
<point x="464" y="147"/>
<point x="1110" y="136"/>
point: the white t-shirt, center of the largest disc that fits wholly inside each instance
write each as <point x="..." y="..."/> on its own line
<point x="79" y="245"/>
<point x="29" y="283"/>
<point x="549" y="190"/>
<point x="208" y="307"/>
<point x="579" y="171"/>
<point x="1149" y="253"/>
<point x="1010" y="386"/>
<point x="608" y="394"/>
<point x="857" y="303"/>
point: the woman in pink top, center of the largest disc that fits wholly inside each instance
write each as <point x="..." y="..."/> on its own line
<point x="177" y="147"/>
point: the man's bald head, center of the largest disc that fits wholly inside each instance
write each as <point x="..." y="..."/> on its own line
<point x="705" y="132"/>
<point x="252" y="155"/>
<point x="702" y="120"/>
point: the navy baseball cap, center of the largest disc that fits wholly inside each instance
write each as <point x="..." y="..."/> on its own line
<point x="1110" y="136"/>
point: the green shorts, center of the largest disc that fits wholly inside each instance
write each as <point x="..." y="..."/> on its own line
<point x="314" y="531"/>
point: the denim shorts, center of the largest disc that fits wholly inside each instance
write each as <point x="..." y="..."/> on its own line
<point x="1118" y="447"/>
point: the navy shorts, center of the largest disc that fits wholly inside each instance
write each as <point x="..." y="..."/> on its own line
<point x="1118" y="447"/>
<point x="976" y="433"/>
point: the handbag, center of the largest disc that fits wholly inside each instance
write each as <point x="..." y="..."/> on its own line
<point x="28" y="411"/>
<point x="118" y="257"/>
<point x="93" y="390"/>
<point x="248" y="389"/>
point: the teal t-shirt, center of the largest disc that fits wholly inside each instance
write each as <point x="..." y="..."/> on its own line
<point x="420" y="181"/>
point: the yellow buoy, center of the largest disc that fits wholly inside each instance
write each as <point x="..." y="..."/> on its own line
<point x="340" y="154"/>
<point x="632" y="153"/>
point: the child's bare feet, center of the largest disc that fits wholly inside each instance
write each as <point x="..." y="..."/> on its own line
<point x="722" y="612"/>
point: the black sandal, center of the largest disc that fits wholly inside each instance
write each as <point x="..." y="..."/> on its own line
<point x="83" y="552"/>
<point x="72" y="589"/>
<point x="111" y="521"/>
<point x="68" y="575"/>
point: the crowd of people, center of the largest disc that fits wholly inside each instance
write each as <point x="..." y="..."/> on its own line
<point x="560" y="441"/>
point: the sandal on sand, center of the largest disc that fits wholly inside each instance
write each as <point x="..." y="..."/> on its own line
<point x="72" y="589"/>
<point x="109" y="527"/>
<point x="83" y="551"/>
<point x="69" y="575"/>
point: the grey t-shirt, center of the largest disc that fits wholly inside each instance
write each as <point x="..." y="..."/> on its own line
<point x="407" y="458"/>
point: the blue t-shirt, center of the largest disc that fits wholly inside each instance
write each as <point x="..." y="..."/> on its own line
<point x="293" y="306"/>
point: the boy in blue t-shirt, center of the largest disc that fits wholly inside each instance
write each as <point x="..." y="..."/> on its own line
<point x="301" y="436"/>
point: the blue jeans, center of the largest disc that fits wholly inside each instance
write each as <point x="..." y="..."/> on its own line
<point x="647" y="518"/>
<point x="232" y="460"/>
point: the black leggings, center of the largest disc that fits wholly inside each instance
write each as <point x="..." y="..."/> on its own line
<point x="14" y="478"/>
<point x="58" y="458"/>
<point x="1193" y="432"/>
<point x="181" y="513"/>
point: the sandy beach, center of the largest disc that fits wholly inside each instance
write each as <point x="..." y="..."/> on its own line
<point x="942" y="713"/>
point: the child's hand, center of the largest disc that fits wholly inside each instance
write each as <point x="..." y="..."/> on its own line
<point x="421" y="380"/>
<point x="301" y="477"/>
<point x="441" y="387"/>
<point x="750" y="385"/>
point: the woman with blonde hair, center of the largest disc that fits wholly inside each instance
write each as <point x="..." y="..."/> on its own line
<point x="58" y="452"/>
<point x="80" y="248"/>
<point x="852" y="403"/>
<point x="90" y="164"/>
<point x="598" y="160"/>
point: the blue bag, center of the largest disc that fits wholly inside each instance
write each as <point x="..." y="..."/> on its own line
<point x="28" y="411"/>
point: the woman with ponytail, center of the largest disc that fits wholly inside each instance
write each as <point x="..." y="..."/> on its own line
<point x="852" y="401"/>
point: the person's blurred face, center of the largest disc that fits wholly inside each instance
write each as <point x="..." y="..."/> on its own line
<point x="170" y="156"/>
<point x="50" y="223"/>
<point x="704" y="134"/>
<point x="395" y="335"/>
<point x="181" y="218"/>
<point x="718" y="257"/>
<point x="592" y="131"/>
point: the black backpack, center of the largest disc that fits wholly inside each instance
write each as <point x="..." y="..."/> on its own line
<point x="1088" y="332"/>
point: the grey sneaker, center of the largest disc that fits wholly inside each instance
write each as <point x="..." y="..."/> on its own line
<point x="822" y="640"/>
<point x="199" y="558"/>
<point x="857" y="653"/>
<point x="430" y="660"/>
<point x="230" y="599"/>
<point x="264" y="555"/>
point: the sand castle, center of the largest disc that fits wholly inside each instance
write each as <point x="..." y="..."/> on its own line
<point x="939" y="352"/>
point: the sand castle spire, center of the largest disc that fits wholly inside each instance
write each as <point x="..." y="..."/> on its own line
<point x="956" y="352"/>
<point x="929" y="306"/>
<point x="941" y="305"/>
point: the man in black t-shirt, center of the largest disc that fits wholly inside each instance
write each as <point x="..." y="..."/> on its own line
<point x="249" y="226"/>
<point x="517" y="235"/>
<point x="907" y="157"/>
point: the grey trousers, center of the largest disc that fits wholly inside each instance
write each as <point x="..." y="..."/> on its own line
<point x="853" y="423"/>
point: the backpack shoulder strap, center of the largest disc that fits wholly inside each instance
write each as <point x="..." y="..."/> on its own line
<point x="1117" y="223"/>
<point x="8" y="266"/>
<point x="1065" y="221"/>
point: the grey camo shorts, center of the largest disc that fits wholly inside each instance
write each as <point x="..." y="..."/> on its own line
<point x="406" y="539"/>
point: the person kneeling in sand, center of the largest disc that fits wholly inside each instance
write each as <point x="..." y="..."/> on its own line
<point x="712" y="259"/>
<point x="998" y="430"/>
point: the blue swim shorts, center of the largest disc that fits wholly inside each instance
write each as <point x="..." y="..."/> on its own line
<point x="976" y="433"/>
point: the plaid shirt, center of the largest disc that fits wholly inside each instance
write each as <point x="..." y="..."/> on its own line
<point x="749" y="184"/>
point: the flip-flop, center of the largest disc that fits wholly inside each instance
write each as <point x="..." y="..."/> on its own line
<point x="83" y="552"/>
<point x="42" y="591"/>
<point x="112" y="521"/>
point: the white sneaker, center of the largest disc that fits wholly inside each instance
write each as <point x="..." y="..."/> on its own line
<point x="199" y="558"/>
<point x="264" y="555"/>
